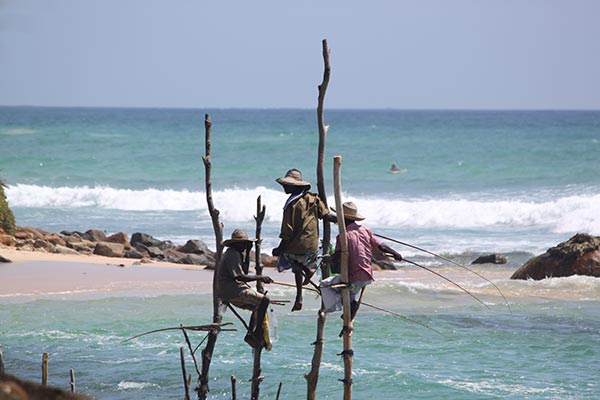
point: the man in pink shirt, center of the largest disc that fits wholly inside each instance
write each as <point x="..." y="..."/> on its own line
<point x="361" y="243"/>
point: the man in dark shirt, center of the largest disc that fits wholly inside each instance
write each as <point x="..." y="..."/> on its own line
<point x="299" y="235"/>
<point x="233" y="288"/>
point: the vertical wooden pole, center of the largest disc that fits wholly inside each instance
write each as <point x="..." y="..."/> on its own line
<point x="321" y="151"/>
<point x="259" y="218"/>
<point x="1" y="361"/>
<point x="347" y="353"/>
<point x="207" y="352"/>
<point x="256" y="368"/>
<point x="72" y="378"/>
<point x="278" y="391"/>
<point x="233" y="388"/>
<point x="45" y="369"/>
<point x="184" y="373"/>
<point x="312" y="378"/>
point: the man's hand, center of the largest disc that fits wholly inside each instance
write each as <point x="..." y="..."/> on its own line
<point x="398" y="257"/>
<point x="266" y="279"/>
<point x="276" y="251"/>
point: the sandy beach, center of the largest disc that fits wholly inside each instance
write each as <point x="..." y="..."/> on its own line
<point x="38" y="273"/>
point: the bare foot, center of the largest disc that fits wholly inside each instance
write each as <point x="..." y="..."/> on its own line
<point x="297" y="306"/>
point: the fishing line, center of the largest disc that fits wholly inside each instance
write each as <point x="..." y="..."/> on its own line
<point x="366" y="304"/>
<point x="449" y="280"/>
<point x="450" y="261"/>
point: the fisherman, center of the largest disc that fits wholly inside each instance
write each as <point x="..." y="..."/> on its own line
<point x="233" y="288"/>
<point x="299" y="235"/>
<point x="361" y="242"/>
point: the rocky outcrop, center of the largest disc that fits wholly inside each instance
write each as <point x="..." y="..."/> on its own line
<point x="17" y="389"/>
<point x="580" y="255"/>
<point x="141" y="246"/>
<point x="490" y="259"/>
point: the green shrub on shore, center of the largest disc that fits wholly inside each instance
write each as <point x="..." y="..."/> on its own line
<point x="7" y="218"/>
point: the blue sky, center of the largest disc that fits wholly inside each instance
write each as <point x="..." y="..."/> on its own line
<point x="421" y="54"/>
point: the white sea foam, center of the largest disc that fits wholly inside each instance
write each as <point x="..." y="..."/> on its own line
<point x="562" y="214"/>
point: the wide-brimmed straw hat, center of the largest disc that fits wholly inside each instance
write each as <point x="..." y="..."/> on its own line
<point x="292" y="178"/>
<point x="350" y="212"/>
<point x="238" y="236"/>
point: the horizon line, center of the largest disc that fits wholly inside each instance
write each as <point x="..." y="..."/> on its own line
<point x="294" y="108"/>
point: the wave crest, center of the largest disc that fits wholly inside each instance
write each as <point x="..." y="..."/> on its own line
<point x="564" y="214"/>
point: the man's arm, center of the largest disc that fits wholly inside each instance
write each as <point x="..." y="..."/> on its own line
<point x="388" y="250"/>
<point x="251" y="278"/>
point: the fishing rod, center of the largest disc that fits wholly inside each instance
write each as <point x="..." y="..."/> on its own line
<point x="449" y="280"/>
<point x="366" y="304"/>
<point x="450" y="261"/>
<point x="204" y="328"/>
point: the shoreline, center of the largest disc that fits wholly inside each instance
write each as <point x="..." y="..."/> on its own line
<point x="35" y="273"/>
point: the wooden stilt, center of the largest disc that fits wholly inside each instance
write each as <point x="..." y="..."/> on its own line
<point x="72" y="379"/>
<point x="347" y="353"/>
<point x="233" y="388"/>
<point x="1" y="361"/>
<point x="207" y="352"/>
<point x="278" y="391"/>
<point x="256" y="367"/>
<point x="45" y="369"/>
<point x="312" y="378"/>
<point x="184" y="373"/>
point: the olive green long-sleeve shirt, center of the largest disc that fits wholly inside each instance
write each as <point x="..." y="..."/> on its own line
<point x="300" y="224"/>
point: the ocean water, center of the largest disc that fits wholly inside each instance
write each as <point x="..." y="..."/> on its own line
<point x="471" y="183"/>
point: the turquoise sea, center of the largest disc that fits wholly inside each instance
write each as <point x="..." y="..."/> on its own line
<point x="471" y="183"/>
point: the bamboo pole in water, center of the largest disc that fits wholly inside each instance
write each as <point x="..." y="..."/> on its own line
<point x="321" y="150"/>
<point x="347" y="331"/>
<point x="1" y="361"/>
<point x="72" y="379"/>
<point x="45" y="369"/>
<point x="312" y="378"/>
<point x="256" y="368"/>
<point x="233" y="387"/>
<point x="184" y="373"/>
<point x="207" y="352"/>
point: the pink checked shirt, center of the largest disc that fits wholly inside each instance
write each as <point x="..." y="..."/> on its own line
<point x="361" y="241"/>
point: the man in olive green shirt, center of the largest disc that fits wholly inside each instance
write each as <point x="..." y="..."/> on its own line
<point x="299" y="235"/>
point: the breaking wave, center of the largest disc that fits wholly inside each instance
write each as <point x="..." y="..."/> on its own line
<point x="562" y="214"/>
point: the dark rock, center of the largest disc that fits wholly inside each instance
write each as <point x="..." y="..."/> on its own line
<point x="196" y="247"/>
<point x="173" y="256"/>
<point x="144" y="239"/>
<point x="5" y="260"/>
<point x="17" y="389"/>
<point x="94" y="235"/>
<point x="55" y="239"/>
<point x="155" y="252"/>
<point x="580" y="255"/>
<point x="490" y="259"/>
<point x="109" y="249"/>
<point x="27" y="232"/>
<point x="196" y="259"/>
<point x="133" y="253"/>
<point x="42" y="244"/>
<point x="58" y="249"/>
<point x="120" y="237"/>
<point x="80" y="245"/>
